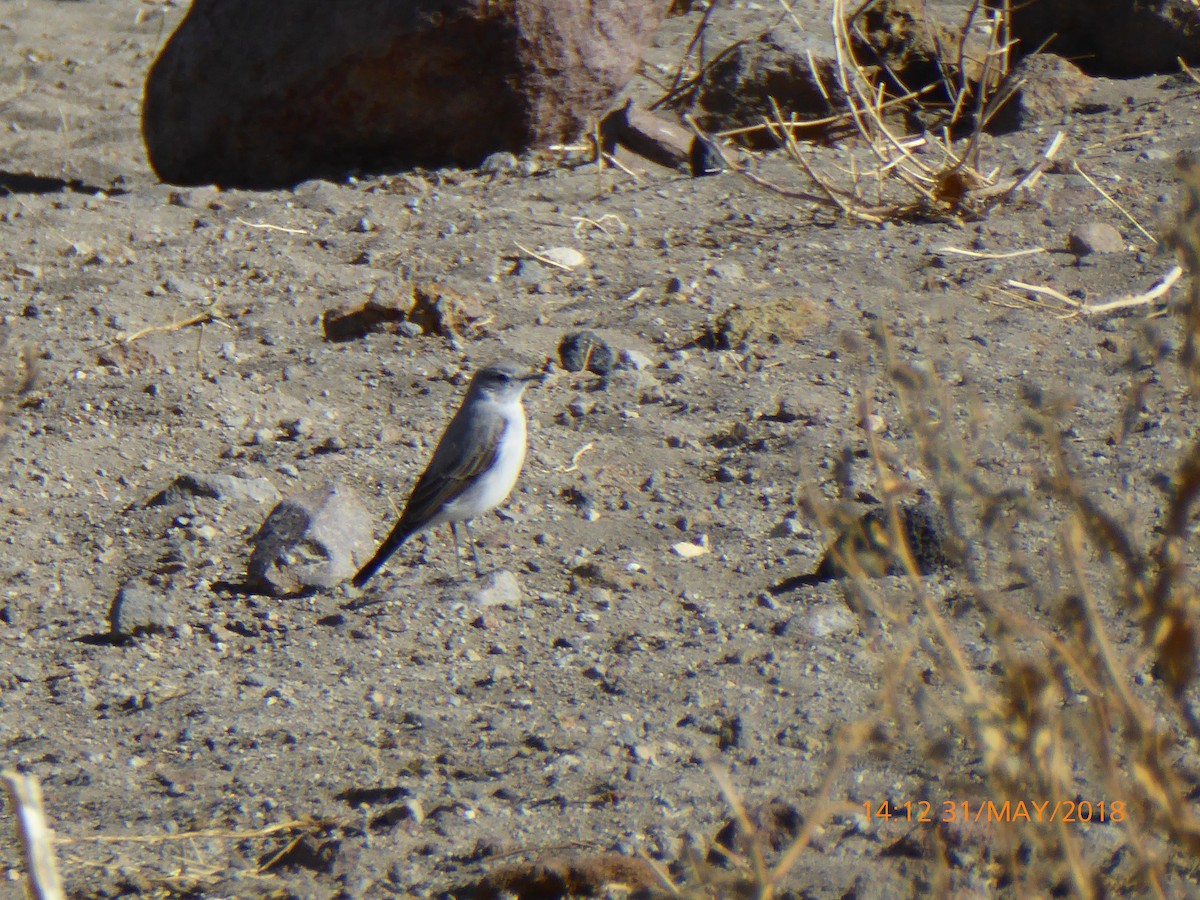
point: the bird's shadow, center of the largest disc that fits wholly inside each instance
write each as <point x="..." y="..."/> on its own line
<point x="256" y="589"/>
<point x="390" y="596"/>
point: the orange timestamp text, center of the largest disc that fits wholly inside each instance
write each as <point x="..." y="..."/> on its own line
<point x="993" y="812"/>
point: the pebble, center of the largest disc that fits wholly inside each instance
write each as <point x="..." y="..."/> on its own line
<point x="185" y="288"/>
<point x="499" y="162"/>
<point x="633" y="359"/>
<point x="530" y="270"/>
<point x="689" y="550"/>
<point x="1095" y="237"/>
<point x="499" y="588"/>
<point x="704" y="160"/>
<point x="828" y="621"/>
<point x="789" y="527"/>
<point x="567" y="257"/>
<point x="727" y="270"/>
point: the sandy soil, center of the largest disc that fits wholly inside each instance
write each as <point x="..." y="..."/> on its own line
<point x="437" y="739"/>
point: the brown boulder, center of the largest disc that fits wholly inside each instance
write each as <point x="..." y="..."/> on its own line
<point x="266" y="93"/>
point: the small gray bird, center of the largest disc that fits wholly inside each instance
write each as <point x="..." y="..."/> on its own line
<point x="474" y="467"/>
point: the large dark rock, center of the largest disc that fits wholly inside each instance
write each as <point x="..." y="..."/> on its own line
<point x="1049" y="88"/>
<point x="1112" y="37"/>
<point x="271" y="92"/>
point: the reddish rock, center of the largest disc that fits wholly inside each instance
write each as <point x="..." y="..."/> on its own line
<point x="256" y="93"/>
<point x="652" y="137"/>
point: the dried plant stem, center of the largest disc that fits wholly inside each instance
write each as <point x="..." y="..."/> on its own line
<point x="35" y="835"/>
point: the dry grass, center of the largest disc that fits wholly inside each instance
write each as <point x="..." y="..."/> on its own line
<point x="1064" y="716"/>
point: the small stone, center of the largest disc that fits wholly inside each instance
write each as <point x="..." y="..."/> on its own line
<point x="298" y="428"/>
<point x="704" y="160"/>
<point x="789" y="527"/>
<point x="727" y="270"/>
<point x="688" y="550"/>
<point x="1095" y="237"/>
<point x="566" y="257"/>
<point x="496" y="163"/>
<point x="499" y="588"/>
<point x="585" y="350"/>
<point x="633" y="359"/>
<point x="868" y="541"/>
<point x="205" y="533"/>
<point x="137" y="609"/>
<point x="828" y="621"/>
<point x="726" y="475"/>
<point x="312" y="540"/>
<point x="872" y="423"/>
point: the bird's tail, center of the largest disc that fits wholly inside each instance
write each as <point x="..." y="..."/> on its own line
<point x="391" y="544"/>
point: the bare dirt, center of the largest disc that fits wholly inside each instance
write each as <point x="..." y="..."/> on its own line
<point x="434" y="740"/>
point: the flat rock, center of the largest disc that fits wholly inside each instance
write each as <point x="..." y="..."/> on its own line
<point x="218" y="487"/>
<point x="497" y="589"/>
<point x="248" y="93"/>
<point x="658" y="139"/>
<point x="312" y="540"/>
<point x="783" y="319"/>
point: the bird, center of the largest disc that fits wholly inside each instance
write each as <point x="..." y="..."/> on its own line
<point x="473" y="468"/>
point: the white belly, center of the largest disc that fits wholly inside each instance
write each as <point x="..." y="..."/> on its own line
<point x="489" y="492"/>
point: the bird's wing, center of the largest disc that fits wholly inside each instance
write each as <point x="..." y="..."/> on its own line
<point x="452" y="471"/>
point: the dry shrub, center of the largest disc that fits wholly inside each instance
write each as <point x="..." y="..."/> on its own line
<point x="1069" y="712"/>
<point x="937" y="174"/>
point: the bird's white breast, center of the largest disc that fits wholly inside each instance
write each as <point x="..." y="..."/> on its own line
<point x="491" y="490"/>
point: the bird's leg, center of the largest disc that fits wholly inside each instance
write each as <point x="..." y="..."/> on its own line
<point x="457" y="555"/>
<point x="474" y="552"/>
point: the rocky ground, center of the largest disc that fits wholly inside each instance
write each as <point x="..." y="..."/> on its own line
<point x="408" y="739"/>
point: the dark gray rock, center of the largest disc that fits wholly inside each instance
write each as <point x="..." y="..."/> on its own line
<point x="1050" y="86"/>
<point x="218" y="487"/>
<point x="139" y="609"/>
<point x="739" y="86"/>
<point x="585" y="350"/>
<point x="868" y="542"/>
<point x="312" y="540"/>
<point x="703" y="159"/>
